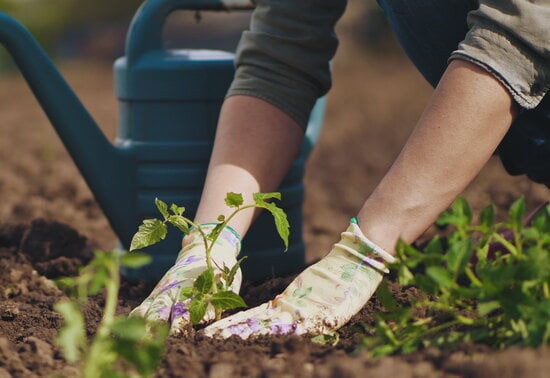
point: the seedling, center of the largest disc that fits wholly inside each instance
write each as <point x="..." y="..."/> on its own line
<point x="472" y="292"/>
<point x="209" y="288"/>
<point x="121" y="344"/>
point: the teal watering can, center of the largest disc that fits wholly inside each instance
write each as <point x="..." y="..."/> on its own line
<point x="169" y="106"/>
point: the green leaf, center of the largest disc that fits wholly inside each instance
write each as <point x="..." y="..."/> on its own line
<point x="162" y="207"/>
<point x="213" y="235"/>
<point x="150" y="232"/>
<point x="441" y="276"/>
<point x="458" y="256"/>
<point x="262" y="197"/>
<point x="459" y="215"/>
<point x="281" y="220"/>
<point x="179" y="222"/>
<point x="129" y="328"/>
<point x="405" y="275"/>
<point x="229" y="276"/>
<point x="487" y="217"/>
<point x="383" y="350"/>
<point x="234" y="199"/>
<point x="186" y="293"/>
<point x="65" y="283"/>
<point x="98" y="279"/>
<point x="72" y="336"/>
<point x="203" y="283"/>
<point x="197" y="309"/>
<point x="227" y="300"/>
<point x="135" y="260"/>
<point x="485" y="308"/>
<point x="412" y="257"/>
<point x="542" y="221"/>
<point x="177" y="210"/>
<point x="426" y="284"/>
<point x="140" y="343"/>
<point x="330" y="338"/>
<point x="465" y="208"/>
<point x="385" y="297"/>
<point x="516" y="213"/>
<point x="434" y="247"/>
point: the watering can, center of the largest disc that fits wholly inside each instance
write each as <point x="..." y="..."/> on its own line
<point x="169" y="103"/>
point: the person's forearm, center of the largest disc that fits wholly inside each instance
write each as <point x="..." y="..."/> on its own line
<point x="255" y="145"/>
<point x="466" y="119"/>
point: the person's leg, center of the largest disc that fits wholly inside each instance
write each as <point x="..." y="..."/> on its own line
<point x="255" y="146"/>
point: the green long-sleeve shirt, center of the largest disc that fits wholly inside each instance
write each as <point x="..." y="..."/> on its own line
<point x="284" y="57"/>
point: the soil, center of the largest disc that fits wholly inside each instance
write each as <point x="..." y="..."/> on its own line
<point x="373" y="106"/>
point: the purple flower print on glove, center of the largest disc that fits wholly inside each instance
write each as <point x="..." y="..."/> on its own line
<point x="189" y="260"/>
<point x="281" y="328"/>
<point x="180" y="309"/>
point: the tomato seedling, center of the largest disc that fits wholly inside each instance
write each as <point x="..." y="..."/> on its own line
<point x="209" y="288"/>
<point x="122" y="346"/>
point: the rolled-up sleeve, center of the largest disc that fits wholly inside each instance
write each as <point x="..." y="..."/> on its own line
<point x="284" y="57"/>
<point x="511" y="39"/>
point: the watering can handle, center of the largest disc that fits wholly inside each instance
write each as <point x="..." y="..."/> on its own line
<point x="145" y="33"/>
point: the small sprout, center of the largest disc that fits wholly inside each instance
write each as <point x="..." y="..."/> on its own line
<point x="234" y="199"/>
<point x="331" y="338"/>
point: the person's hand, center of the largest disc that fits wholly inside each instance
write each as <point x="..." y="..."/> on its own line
<point x="164" y="303"/>
<point x="322" y="298"/>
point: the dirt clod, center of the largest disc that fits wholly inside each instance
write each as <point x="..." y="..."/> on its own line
<point x="8" y="310"/>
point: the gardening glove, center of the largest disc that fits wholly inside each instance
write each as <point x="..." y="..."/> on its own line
<point x="164" y="303"/>
<point x="322" y="298"/>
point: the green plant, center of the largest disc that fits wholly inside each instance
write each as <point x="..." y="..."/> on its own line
<point x="209" y="288"/>
<point x="121" y="344"/>
<point x="485" y="283"/>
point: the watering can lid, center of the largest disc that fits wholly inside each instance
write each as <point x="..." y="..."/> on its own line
<point x="175" y="75"/>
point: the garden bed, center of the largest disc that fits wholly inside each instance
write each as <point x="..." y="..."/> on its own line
<point x="363" y="133"/>
<point x="31" y="255"/>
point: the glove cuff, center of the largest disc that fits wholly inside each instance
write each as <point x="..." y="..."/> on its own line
<point x="371" y="246"/>
<point x="357" y="244"/>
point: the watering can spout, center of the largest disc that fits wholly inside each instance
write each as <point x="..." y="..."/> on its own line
<point x="101" y="164"/>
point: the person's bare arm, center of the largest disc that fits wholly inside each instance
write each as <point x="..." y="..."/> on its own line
<point x="255" y="145"/>
<point x="468" y="115"/>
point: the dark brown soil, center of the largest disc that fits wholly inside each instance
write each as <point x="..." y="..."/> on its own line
<point x="373" y="106"/>
<point x="28" y="326"/>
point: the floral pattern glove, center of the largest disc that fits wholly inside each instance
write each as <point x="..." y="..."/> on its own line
<point x="322" y="298"/>
<point x="164" y="303"/>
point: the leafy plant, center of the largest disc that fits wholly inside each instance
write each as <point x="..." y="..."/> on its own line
<point x="121" y="344"/>
<point x="209" y="288"/>
<point x="486" y="283"/>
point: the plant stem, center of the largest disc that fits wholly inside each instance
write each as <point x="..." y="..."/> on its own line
<point x="218" y="312"/>
<point x="509" y="246"/>
<point x="92" y="368"/>
<point x="205" y="241"/>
